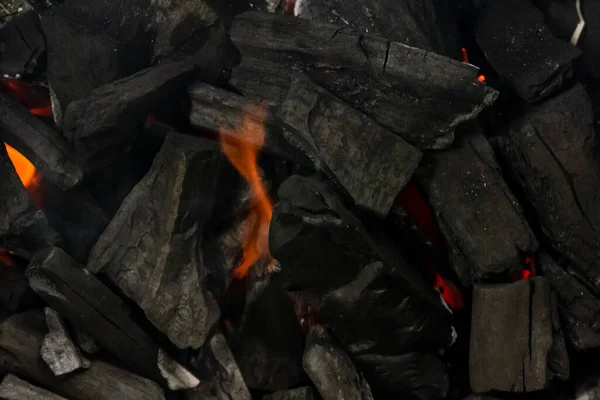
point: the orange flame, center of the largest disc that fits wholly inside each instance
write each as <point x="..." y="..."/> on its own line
<point x="23" y="166"/>
<point x="241" y="145"/>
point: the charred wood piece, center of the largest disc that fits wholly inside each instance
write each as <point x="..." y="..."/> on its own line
<point x="13" y="388"/>
<point x="301" y="393"/>
<point x="551" y="153"/>
<point x="43" y="146"/>
<point x="22" y="43"/>
<point x="223" y="378"/>
<point x="151" y="247"/>
<point x="420" y="375"/>
<point x="484" y="225"/>
<point x="109" y="118"/>
<point x="323" y="248"/>
<point x="21" y="337"/>
<point x="524" y="352"/>
<point x="331" y="369"/>
<point x="578" y="306"/>
<point x="23" y="227"/>
<point x="277" y="351"/>
<point x="219" y="111"/>
<point x="94" y="308"/>
<point x="522" y="50"/>
<point x="58" y="349"/>
<point x="418" y="95"/>
<point x="367" y="162"/>
<point x="15" y="293"/>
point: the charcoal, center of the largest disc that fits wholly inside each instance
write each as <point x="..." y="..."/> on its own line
<point x="579" y="308"/>
<point x="224" y="379"/>
<point x="331" y="369"/>
<point x="219" y="111"/>
<point x="91" y="306"/>
<point x="588" y="389"/>
<point x="590" y="38"/>
<point x="13" y="388"/>
<point x="109" y="118"/>
<point x="43" y="146"/>
<point x="522" y="50"/>
<point x="23" y="227"/>
<point x="484" y="226"/>
<point x="562" y="18"/>
<point x="85" y="341"/>
<point x="21" y="336"/>
<point x="418" y="95"/>
<point x="151" y="249"/>
<point x="301" y="393"/>
<point x="427" y="25"/>
<point x="58" y="349"/>
<point x="271" y="338"/>
<point x="22" y="45"/>
<point x="551" y="153"/>
<point x="100" y="57"/>
<point x="321" y="247"/>
<point x="420" y="375"/>
<point x="11" y="8"/>
<point x="366" y="161"/>
<point x="520" y="356"/>
<point x="15" y="293"/>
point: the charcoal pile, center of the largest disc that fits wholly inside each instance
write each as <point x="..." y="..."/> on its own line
<point x="299" y="199"/>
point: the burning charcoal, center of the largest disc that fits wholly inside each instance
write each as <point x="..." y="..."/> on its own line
<point x="416" y="94"/>
<point x="520" y="356"/>
<point x="579" y="308"/>
<point x="225" y="381"/>
<point x="150" y="248"/>
<point x="301" y="393"/>
<point x="321" y="246"/>
<point x="220" y="111"/>
<point x="100" y="57"/>
<point x="90" y="305"/>
<point x="108" y="119"/>
<point x="23" y="228"/>
<point x="422" y="375"/>
<point x="15" y="293"/>
<point x="22" y="45"/>
<point x="43" y="146"/>
<point x="484" y="225"/>
<point x="276" y="352"/>
<point x="331" y="370"/>
<point x="21" y="337"/>
<point x="551" y="152"/>
<point x="523" y="51"/>
<point x="13" y="388"/>
<point x="58" y="350"/>
<point x="367" y="161"/>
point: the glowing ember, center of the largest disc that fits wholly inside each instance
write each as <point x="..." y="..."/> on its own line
<point x="464" y="57"/>
<point x="481" y="78"/>
<point x="23" y="166"/>
<point x="528" y="271"/>
<point x="241" y="145"/>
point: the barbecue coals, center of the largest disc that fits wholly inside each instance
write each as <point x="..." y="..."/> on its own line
<point x="299" y="199"/>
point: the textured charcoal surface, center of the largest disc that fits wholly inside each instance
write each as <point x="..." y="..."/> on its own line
<point x="579" y="307"/>
<point x="302" y="393"/>
<point x="271" y="338"/>
<point x="22" y="45"/>
<point x="525" y="352"/>
<point x="366" y="161"/>
<point x="13" y="388"/>
<point x="523" y="51"/>
<point x="483" y="223"/>
<point x="153" y="249"/>
<point x="421" y="375"/>
<point x="21" y="336"/>
<point x="331" y="369"/>
<point x="420" y="96"/>
<point x="551" y="153"/>
<point x="94" y="308"/>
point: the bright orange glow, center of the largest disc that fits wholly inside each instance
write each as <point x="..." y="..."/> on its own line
<point x="481" y="78"/>
<point x="23" y="166"/>
<point x="42" y="111"/>
<point x="463" y="55"/>
<point x="241" y="145"/>
<point x="449" y="291"/>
